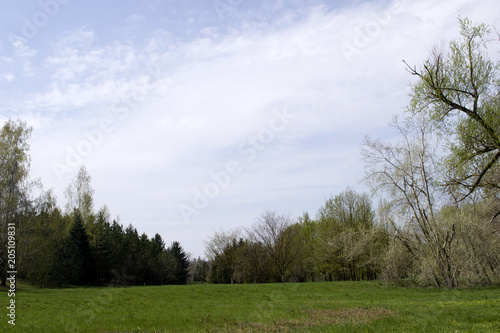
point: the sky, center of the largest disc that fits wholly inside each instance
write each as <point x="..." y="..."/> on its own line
<point x="195" y="116"/>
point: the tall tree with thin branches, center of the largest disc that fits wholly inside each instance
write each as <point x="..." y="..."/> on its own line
<point x="281" y="239"/>
<point x="459" y="90"/>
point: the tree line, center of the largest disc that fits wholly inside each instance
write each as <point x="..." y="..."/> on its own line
<point x="343" y="243"/>
<point x="436" y="222"/>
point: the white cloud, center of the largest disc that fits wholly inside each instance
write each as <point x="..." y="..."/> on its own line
<point x="9" y="77"/>
<point x="135" y="18"/>
<point x="22" y="49"/>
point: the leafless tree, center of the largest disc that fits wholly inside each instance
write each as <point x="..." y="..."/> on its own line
<point x="407" y="173"/>
<point x="280" y="237"/>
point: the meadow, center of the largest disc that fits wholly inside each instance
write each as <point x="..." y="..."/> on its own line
<point x="289" y="307"/>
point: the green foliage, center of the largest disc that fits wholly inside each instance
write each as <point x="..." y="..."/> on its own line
<point x="47" y="233"/>
<point x="198" y="271"/>
<point x="256" y="264"/>
<point x="308" y="269"/>
<point x="280" y="239"/>
<point x="459" y="91"/>
<point x="347" y="210"/>
<point x="15" y="187"/>
<point x="80" y="196"/>
<point x="348" y="237"/>
<point x="104" y="248"/>
<point x="399" y="264"/>
<point x="225" y="265"/>
<point x="224" y="250"/>
<point x="74" y="263"/>
<point x="181" y="264"/>
<point x="475" y="251"/>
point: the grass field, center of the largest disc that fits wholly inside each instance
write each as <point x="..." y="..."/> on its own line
<point x="307" y="307"/>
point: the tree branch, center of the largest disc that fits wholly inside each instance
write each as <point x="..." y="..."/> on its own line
<point x="481" y="175"/>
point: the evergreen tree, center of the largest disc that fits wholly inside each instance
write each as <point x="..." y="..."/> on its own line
<point x="180" y="272"/>
<point x="102" y="248"/>
<point x="74" y="264"/>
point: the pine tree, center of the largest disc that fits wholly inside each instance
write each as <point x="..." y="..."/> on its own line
<point x="180" y="273"/>
<point x="74" y="264"/>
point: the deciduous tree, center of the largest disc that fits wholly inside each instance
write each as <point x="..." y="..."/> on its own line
<point x="459" y="89"/>
<point x="223" y="250"/>
<point x="406" y="174"/>
<point x="280" y="238"/>
<point x="15" y="185"/>
<point x="80" y="195"/>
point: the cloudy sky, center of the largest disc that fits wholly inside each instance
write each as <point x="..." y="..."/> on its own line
<point x="191" y="115"/>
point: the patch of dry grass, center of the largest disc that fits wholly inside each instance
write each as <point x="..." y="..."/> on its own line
<point x="313" y="318"/>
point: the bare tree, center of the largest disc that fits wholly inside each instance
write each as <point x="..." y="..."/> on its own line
<point x="280" y="237"/>
<point x="407" y="173"/>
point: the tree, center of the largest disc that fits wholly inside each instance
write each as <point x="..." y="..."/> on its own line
<point x="310" y="258"/>
<point x="257" y="265"/>
<point x="165" y="267"/>
<point x="132" y="255"/>
<point x="349" y="210"/>
<point x="102" y="246"/>
<point x="74" y="264"/>
<point x="199" y="270"/>
<point x="475" y="251"/>
<point x="460" y="91"/>
<point x="223" y="251"/>
<point x="161" y="264"/>
<point x="180" y="272"/>
<point x="80" y="196"/>
<point x="280" y="238"/>
<point x="406" y="173"/>
<point x="14" y="183"/>
<point x="345" y="225"/>
<point x="47" y="231"/>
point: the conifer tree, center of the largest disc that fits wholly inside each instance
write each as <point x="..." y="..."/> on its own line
<point x="181" y="259"/>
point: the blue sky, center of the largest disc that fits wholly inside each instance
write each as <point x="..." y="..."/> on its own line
<point x="192" y="116"/>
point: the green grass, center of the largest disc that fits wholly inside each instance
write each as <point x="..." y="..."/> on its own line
<point x="307" y="307"/>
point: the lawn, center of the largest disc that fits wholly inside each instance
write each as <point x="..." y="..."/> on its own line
<point x="306" y="307"/>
